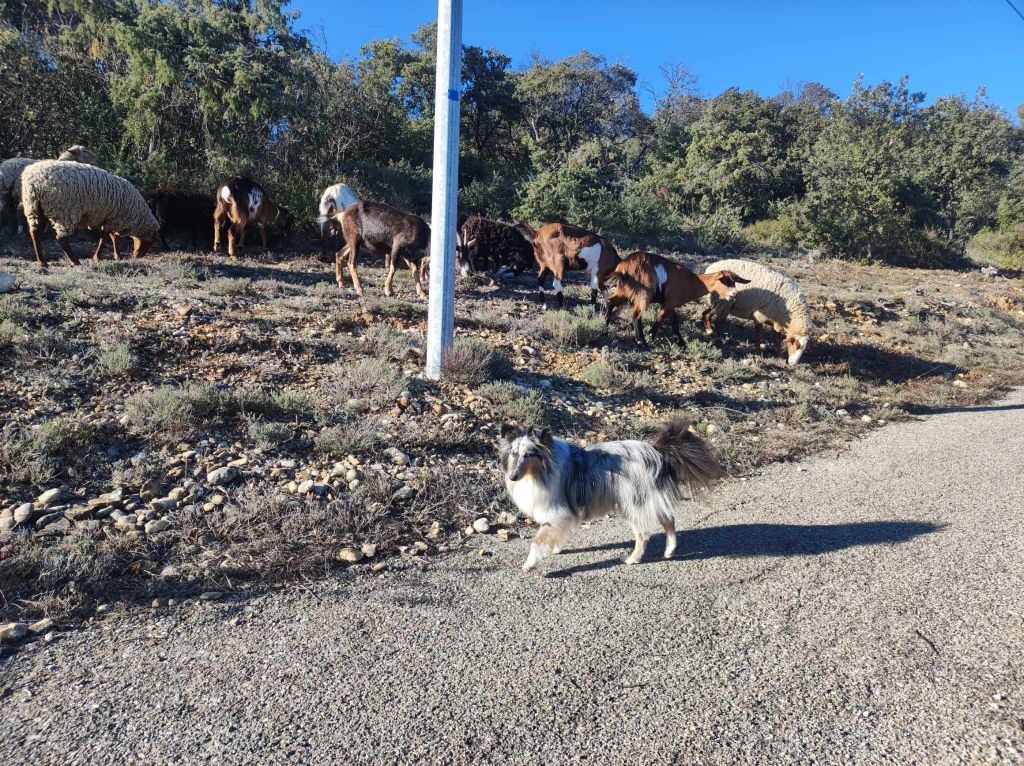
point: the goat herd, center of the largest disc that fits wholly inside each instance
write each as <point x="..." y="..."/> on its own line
<point x="71" y="193"/>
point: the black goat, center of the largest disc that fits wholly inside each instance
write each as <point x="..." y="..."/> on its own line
<point x="181" y="210"/>
<point x="505" y="244"/>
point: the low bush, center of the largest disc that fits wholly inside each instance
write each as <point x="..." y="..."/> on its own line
<point x="471" y="361"/>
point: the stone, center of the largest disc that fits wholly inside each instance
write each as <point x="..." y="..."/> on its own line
<point x="305" y="487"/>
<point x="42" y="626"/>
<point x="865" y="419"/>
<point x="349" y="555"/>
<point x="396" y="456"/>
<point x="211" y="595"/>
<point x="49" y="497"/>
<point x="177" y="494"/>
<point x="504" y="534"/>
<point x="222" y="476"/>
<point x="481" y="525"/>
<point x="48" y="519"/>
<point x="288" y="464"/>
<point x="163" y="504"/>
<point x="379" y="566"/>
<point x="405" y="492"/>
<point x="157" y="526"/>
<point x="842" y="413"/>
<point x="6" y="283"/>
<point x="12" y="631"/>
<point x="368" y="549"/>
<point x="505" y="519"/>
<point x="23" y="513"/>
<point x="170" y="572"/>
<point x="959" y="384"/>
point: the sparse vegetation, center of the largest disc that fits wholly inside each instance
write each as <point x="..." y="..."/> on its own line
<point x="288" y="389"/>
<point x="471" y="361"/>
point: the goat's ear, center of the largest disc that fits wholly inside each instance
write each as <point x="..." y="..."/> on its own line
<point x="739" y="279"/>
<point x="509" y="432"/>
<point x="471" y="242"/>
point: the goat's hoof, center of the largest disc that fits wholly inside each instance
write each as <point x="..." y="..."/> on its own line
<point x="630" y="561"/>
<point x="528" y="567"/>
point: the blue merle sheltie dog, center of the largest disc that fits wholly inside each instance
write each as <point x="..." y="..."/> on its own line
<point x="559" y="484"/>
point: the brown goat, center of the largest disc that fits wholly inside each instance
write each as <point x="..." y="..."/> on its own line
<point x="241" y="201"/>
<point x="562" y="247"/>
<point x="645" y="278"/>
<point x="392" y="233"/>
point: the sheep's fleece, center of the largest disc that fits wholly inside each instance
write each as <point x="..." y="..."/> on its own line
<point x="72" y="195"/>
<point x="771" y="298"/>
<point x="10" y="180"/>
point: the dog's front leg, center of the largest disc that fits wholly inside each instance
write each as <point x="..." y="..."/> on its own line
<point x="547" y="542"/>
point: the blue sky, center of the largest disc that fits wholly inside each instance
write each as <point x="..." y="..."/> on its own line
<point x="946" y="47"/>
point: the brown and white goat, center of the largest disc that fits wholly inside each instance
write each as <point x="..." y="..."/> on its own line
<point x="643" y="278"/>
<point x="562" y="247"/>
<point x="241" y="201"/>
<point x="390" y="232"/>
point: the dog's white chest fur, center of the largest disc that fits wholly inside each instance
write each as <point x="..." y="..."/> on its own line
<point x="531" y="497"/>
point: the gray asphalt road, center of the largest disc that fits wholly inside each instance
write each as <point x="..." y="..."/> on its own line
<point x="869" y="609"/>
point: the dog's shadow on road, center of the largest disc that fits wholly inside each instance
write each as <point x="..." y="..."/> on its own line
<point x="747" y="540"/>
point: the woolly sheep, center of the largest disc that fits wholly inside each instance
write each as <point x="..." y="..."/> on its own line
<point x="10" y="181"/>
<point x="79" y="153"/>
<point x="11" y="170"/>
<point x="771" y="298"/>
<point x="71" y="195"/>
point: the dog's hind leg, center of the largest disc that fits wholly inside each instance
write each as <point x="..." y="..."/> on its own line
<point x="670" y="534"/>
<point x="547" y="542"/>
<point x="638" y="549"/>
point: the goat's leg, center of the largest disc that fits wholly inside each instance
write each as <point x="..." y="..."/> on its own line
<point x="706" y="318"/>
<point x="356" y="284"/>
<point x="65" y="245"/>
<point x="541" y="276"/>
<point x="675" y="327"/>
<point x="415" y="270"/>
<point x="638" y="327"/>
<point x="613" y="303"/>
<point x="339" y="275"/>
<point x="35" y="235"/>
<point x="556" y="285"/>
<point x="113" y="246"/>
<point x="231" y="240"/>
<point x="391" y="263"/>
<point x="240" y="237"/>
<point x="421" y="276"/>
<point x="216" y="234"/>
<point x="263" y="236"/>
<point x="594" y="290"/>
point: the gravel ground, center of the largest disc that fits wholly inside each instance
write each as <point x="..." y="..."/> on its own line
<point x="860" y="608"/>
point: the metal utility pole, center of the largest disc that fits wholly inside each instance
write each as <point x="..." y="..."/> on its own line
<point x="445" y="196"/>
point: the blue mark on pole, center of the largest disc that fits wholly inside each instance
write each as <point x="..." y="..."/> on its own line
<point x="453" y="95"/>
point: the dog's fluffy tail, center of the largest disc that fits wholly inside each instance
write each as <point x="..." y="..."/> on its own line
<point x="687" y="461"/>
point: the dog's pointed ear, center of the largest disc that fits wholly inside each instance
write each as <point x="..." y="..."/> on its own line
<point x="509" y="432"/>
<point x="541" y="435"/>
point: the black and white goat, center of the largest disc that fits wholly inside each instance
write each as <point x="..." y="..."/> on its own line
<point x="241" y="201"/>
<point x="485" y="241"/>
<point x="334" y="199"/>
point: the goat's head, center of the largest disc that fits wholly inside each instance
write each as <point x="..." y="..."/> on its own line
<point x="723" y="283"/>
<point x="285" y="219"/>
<point x="464" y="255"/>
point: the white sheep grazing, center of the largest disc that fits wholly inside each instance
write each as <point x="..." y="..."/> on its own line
<point x="771" y="298"/>
<point x="70" y="195"/>
<point x="79" y="153"/>
<point x="334" y="200"/>
<point x="10" y="181"/>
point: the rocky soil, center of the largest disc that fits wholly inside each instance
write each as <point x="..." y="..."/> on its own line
<point x="184" y="425"/>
